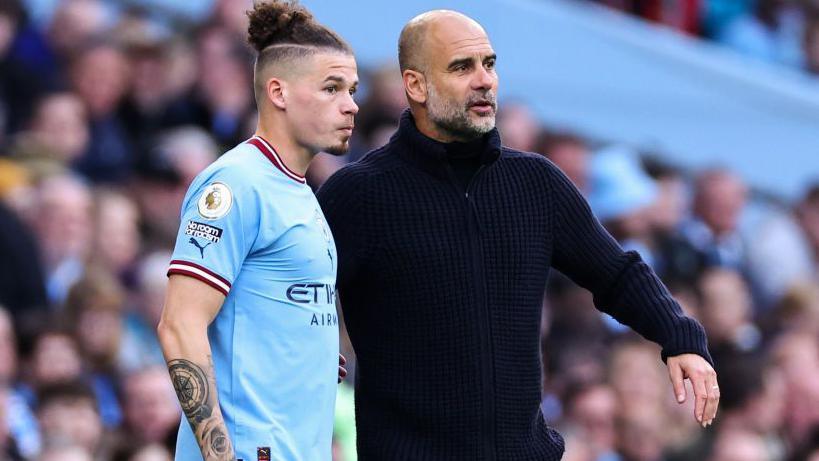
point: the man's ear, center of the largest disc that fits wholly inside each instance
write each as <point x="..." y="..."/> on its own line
<point x="277" y="93"/>
<point x="415" y="84"/>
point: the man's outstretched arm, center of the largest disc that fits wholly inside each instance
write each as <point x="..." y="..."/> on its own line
<point x="626" y="288"/>
<point x="190" y="306"/>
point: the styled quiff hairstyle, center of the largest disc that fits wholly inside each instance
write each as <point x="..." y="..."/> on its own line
<point x="283" y="31"/>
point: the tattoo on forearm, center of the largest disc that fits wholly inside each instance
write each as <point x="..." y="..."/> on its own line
<point x="196" y="391"/>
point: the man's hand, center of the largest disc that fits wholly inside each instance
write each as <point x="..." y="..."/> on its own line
<point x="703" y="380"/>
<point x="342" y="372"/>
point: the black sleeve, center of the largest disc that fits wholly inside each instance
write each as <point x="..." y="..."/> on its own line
<point x="622" y="284"/>
<point x="341" y="204"/>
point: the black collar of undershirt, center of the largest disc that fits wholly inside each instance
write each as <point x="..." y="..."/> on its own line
<point x="432" y="155"/>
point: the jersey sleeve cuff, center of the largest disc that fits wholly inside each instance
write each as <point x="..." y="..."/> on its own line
<point x="200" y="273"/>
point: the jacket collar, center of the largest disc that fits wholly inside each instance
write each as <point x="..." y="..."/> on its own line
<point x="431" y="155"/>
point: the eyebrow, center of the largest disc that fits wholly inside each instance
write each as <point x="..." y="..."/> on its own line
<point x="458" y="62"/>
<point x="469" y="60"/>
<point x="339" y="79"/>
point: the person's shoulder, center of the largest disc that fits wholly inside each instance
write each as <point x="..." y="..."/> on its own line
<point x="243" y="161"/>
<point x="534" y="162"/>
<point x="355" y="174"/>
<point x="237" y="169"/>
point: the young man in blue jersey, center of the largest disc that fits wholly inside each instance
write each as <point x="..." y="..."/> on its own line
<point x="249" y="328"/>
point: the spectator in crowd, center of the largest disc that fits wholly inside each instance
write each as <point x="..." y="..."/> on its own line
<point x="755" y="399"/>
<point x="739" y="445"/>
<point x="64" y="227"/>
<point x="144" y="109"/>
<point x="519" y="126"/>
<point x="100" y="77"/>
<point x="778" y="255"/>
<point x="772" y="32"/>
<point x="140" y="346"/>
<point x="58" y="131"/>
<point x="17" y="422"/>
<point x="231" y="14"/>
<point x="719" y="13"/>
<point x="592" y="409"/>
<point x="19" y="84"/>
<point x="797" y="310"/>
<point x="68" y="415"/>
<point x="569" y="152"/>
<point x="74" y="24"/>
<point x="713" y="232"/>
<point x="188" y="150"/>
<point x="671" y="204"/>
<point x="159" y="189"/>
<point x="726" y="310"/>
<point x="222" y="101"/>
<point x="636" y="358"/>
<point x="640" y="433"/>
<point x="151" y="408"/>
<point x="116" y="233"/>
<point x="797" y="356"/>
<point x="380" y="111"/>
<point x="621" y="196"/>
<point x="94" y="310"/>
<point x="55" y="358"/>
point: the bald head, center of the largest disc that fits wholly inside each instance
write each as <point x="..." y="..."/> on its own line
<point x="413" y="49"/>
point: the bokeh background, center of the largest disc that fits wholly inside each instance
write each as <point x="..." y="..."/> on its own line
<point x="691" y="126"/>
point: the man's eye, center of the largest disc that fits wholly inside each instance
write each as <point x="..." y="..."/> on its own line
<point x="331" y="89"/>
<point x="353" y="91"/>
<point x="490" y="64"/>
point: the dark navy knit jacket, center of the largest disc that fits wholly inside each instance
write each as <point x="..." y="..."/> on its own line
<point x="442" y="289"/>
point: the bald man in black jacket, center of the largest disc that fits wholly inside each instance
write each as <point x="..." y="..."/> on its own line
<point x="445" y="240"/>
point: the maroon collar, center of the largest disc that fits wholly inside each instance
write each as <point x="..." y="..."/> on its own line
<point x="274" y="158"/>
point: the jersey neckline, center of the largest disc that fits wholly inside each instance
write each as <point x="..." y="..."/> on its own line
<point x="271" y="154"/>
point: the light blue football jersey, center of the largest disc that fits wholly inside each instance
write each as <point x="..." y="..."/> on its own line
<point x="253" y="230"/>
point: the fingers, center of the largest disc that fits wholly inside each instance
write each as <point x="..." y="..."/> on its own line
<point x="712" y="403"/>
<point x="342" y="372"/>
<point x="701" y="396"/>
<point x="676" y="375"/>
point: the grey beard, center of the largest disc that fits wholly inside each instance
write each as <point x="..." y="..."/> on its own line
<point x="455" y="120"/>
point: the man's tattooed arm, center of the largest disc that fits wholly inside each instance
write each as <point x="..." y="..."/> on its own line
<point x="196" y="389"/>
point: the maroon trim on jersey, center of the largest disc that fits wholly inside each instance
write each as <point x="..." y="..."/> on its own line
<point x="268" y="151"/>
<point x="198" y="272"/>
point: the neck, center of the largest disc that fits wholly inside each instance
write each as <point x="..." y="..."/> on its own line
<point x="296" y="156"/>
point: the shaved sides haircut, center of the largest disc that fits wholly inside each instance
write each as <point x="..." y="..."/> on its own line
<point x="283" y="33"/>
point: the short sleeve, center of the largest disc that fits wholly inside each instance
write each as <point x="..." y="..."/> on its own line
<point x="220" y="223"/>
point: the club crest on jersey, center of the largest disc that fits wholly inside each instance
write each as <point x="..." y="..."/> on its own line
<point x="263" y="454"/>
<point x="324" y="229"/>
<point x="215" y="201"/>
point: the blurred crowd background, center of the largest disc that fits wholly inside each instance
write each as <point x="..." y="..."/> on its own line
<point x="109" y="109"/>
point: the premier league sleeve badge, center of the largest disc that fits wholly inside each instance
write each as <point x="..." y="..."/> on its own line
<point x="215" y="201"/>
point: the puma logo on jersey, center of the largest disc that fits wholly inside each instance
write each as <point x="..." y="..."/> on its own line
<point x="193" y="242"/>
